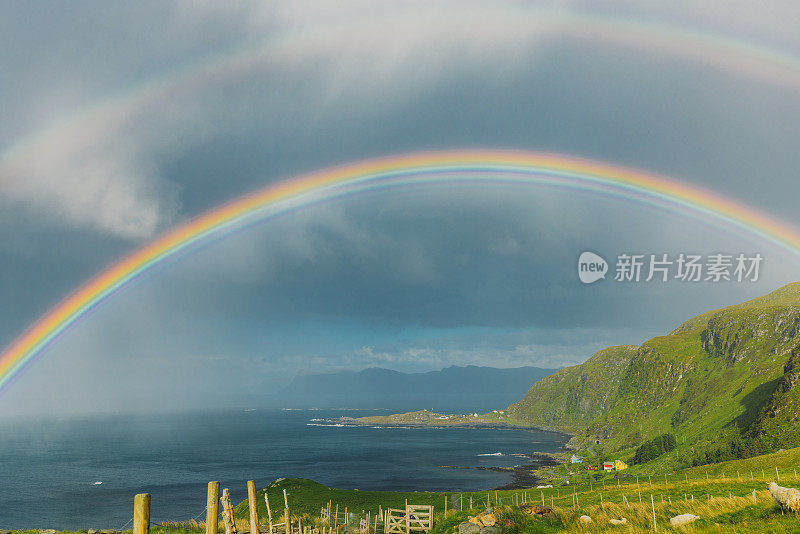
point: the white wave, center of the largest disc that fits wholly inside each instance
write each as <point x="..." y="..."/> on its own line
<point x="325" y="424"/>
<point x="492" y="454"/>
<point x="97" y="483"/>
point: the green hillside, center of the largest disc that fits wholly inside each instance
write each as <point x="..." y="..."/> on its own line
<point x="724" y="383"/>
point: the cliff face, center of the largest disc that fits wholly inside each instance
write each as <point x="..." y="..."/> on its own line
<point x="572" y="398"/>
<point x="739" y="336"/>
<point x="778" y="423"/>
<point x="716" y="378"/>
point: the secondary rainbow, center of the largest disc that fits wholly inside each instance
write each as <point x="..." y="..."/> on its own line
<point x="427" y="168"/>
<point x="749" y="58"/>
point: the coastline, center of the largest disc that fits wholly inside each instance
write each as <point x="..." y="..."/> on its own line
<point x="396" y="421"/>
<point x="522" y="476"/>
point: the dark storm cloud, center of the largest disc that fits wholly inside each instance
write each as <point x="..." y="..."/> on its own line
<point x="408" y="279"/>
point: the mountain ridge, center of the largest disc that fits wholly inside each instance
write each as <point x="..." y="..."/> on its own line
<point x="716" y="375"/>
<point x="449" y="388"/>
<point x="722" y="385"/>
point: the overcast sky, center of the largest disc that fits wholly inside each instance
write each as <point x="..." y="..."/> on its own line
<point x="119" y="121"/>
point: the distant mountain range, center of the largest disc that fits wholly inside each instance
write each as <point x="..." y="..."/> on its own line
<point x="470" y="388"/>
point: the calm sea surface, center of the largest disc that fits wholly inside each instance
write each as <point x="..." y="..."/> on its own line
<point x="49" y="471"/>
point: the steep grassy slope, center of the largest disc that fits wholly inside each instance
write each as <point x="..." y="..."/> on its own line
<point x="778" y="423"/>
<point x="717" y="382"/>
<point x="573" y="398"/>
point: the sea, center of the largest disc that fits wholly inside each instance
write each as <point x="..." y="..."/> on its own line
<point x="80" y="473"/>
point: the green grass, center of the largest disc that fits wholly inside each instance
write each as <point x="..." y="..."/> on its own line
<point x="724" y="503"/>
<point x="308" y="497"/>
<point x="716" y="493"/>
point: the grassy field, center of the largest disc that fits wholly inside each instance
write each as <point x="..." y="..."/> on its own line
<point x="728" y="497"/>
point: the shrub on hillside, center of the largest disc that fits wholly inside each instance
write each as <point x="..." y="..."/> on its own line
<point x="654" y="448"/>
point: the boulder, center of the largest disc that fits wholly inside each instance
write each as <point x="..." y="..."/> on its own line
<point x="787" y="498"/>
<point x="48" y="531"/>
<point x="468" y="528"/>
<point x="488" y="520"/>
<point x="476" y="521"/>
<point x="585" y="520"/>
<point x="536" y="510"/>
<point x="490" y="530"/>
<point x="683" y="519"/>
<point x="623" y="521"/>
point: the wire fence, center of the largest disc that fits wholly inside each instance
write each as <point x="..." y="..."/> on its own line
<point x="574" y="490"/>
<point x="588" y="488"/>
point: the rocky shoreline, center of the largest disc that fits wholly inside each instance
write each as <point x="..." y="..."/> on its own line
<point x="522" y="476"/>
<point x="497" y="425"/>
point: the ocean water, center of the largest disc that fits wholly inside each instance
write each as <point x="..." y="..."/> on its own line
<point x="49" y="470"/>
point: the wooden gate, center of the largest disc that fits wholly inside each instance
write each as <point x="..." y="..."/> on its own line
<point x="395" y="522"/>
<point x="419" y="518"/>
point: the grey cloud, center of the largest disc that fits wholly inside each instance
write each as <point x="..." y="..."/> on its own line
<point x="487" y="273"/>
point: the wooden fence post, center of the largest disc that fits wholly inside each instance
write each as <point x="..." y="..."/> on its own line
<point x="269" y="511"/>
<point x="251" y="502"/>
<point x="141" y="513"/>
<point x="227" y="512"/>
<point x="212" y="508"/>
<point x="288" y="515"/>
<point x="653" y="504"/>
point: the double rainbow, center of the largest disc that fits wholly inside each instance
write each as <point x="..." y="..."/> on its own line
<point x="429" y="168"/>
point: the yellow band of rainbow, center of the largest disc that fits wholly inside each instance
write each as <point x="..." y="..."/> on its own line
<point x="396" y="171"/>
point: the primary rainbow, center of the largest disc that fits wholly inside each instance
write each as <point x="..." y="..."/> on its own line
<point x="425" y="168"/>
